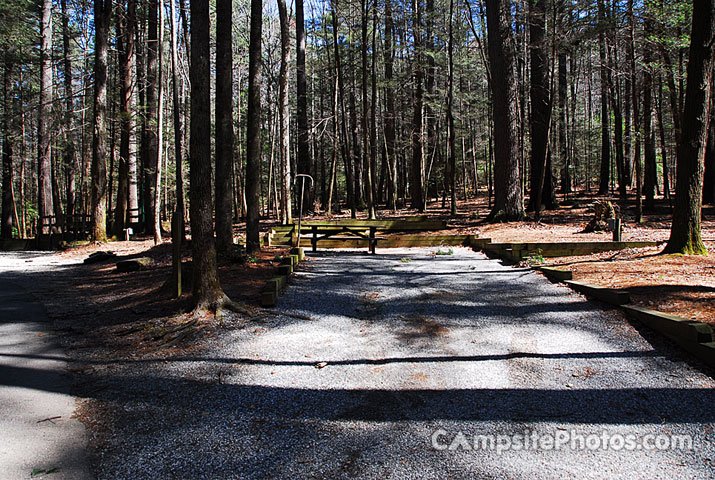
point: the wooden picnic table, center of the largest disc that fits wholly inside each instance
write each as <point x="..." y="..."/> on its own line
<point x="320" y="232"/>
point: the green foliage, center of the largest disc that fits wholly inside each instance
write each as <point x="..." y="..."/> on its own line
<point x="449" y="251"/>
<point x="405" y="260"/>
<point x="535" y="258"/>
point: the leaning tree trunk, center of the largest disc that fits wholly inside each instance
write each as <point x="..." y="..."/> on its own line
<point x="224" y="125"/>
<point x="253" y="131"/>
<point x="508" y="204"/>
<point x="44" y="154"/>
<point x="102" y="17"/>
<point x="685" y="236"/>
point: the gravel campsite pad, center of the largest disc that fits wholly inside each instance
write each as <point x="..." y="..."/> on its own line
<point x="395" y="365"/>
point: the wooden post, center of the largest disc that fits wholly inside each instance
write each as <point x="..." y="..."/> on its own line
<point x="617" y="230"/>
<point x="314" y="238"/>
<point x="372" y="240"/>
<point x="176" y="235"/>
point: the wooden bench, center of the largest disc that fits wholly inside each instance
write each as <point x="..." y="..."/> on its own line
<point x="321" y="232"/>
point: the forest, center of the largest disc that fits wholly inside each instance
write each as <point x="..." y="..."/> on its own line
<point x="119" y="114"/>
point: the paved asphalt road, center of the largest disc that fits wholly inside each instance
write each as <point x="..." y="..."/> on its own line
<point x="37" y="431"/>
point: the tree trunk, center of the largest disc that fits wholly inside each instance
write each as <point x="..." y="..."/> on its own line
<point x="44" y="138"/>
<point x="224" y="125"/>
<point x="126" y="25"/>
<point x="709" y="178"/>
<point x="343" y="126"/>
<point x="366" y="147"/>
<point x="604" y="177"/>
<point x="6" y="222"/>
<point x="650" y="178"/>
<point x="178" y="131"/>
<point x="206" y="289"/>
<point x="69" y="154"/>
<point x="566" y="183"/>
<point x="253" y="121"/>
<point x="685" y="234"/>
<point x="304" y="161"/>
<point x="636" y="112"/>
<point x="508" y="203"/>
<point x="417" y="169"/>
<point x="102" y="17"/>
<point x="389" y="119"/>
<point x="150" y="140"/>
<point x="450" y="118"/>
<point x="283" y="116"/>
<point x="540" y="103"/>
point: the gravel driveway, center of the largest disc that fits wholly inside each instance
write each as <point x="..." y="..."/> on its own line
<point x="408" y="364"/>
<point x="409" y="360"/>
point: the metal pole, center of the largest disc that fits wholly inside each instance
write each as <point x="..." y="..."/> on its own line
<point x="302" y="192"/>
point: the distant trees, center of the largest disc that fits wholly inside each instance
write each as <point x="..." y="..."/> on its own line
<point x="393" y="104"/>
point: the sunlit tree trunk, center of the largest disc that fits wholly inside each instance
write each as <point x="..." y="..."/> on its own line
<point x="102" y="16"/>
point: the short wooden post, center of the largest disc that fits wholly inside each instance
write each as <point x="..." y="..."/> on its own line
<point x="314" y="238"/>
<point x="373" y="241"/>
<point x="617" y="230"/>
<point x="176" y="252"/>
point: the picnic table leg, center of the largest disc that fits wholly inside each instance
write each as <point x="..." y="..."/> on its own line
<point x="314" y="239"/>
<point x="373" y="241"/>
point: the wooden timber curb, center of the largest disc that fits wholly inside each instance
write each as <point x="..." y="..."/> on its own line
<point x="275" y="286"/>
<point x="697" y="338"/>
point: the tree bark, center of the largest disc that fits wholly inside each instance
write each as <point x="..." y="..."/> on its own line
<point x="685" y="236"/>
<point x="605" y="172"/>
<point x="102" y="16"/>
<point x="417" y="168"/>
<point x="253" y="121"/>
<point x="508" y="203"/>
<point x="6" y="222"/>
<point x="69" y="154"/>
<point x="389" y="120"/>
<point x="178" y="131"/>
<point x="207" y="293"/>
<point x="540" y="104"/>
<point x="224" y="125"/>
<point x="304" y="161"/>
<point x="126" y="25"/>
<point x="45" y="201"/>
<point x="150" y="140"/>
<point x="283" y="116"/>
<point x="650" y="177"/>
<point x="450" y="116"/>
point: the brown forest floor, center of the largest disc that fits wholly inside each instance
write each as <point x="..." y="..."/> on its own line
<point x="136" y="313"/>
